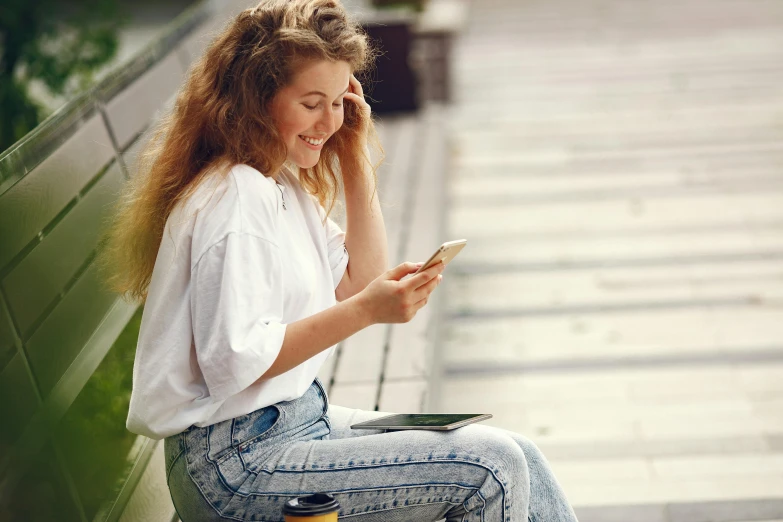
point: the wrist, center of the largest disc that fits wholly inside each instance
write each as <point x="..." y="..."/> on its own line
<point x="358" y="166"/>
<point x="361" y="309"/>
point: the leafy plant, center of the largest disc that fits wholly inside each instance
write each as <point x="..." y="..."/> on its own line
<point x="58" y="43"/>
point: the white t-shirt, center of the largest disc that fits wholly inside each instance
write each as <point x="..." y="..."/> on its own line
<point x="234" y="267"/>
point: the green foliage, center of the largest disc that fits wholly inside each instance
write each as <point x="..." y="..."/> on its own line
<point x="59" y="43"/>
<point x="92" y="434"/>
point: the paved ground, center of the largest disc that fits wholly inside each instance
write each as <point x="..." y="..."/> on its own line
<point x="618" y="170"/>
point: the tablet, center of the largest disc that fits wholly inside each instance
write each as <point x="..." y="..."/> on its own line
<point x="423" y="421"/>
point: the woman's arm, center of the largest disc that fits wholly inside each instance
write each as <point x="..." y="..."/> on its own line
<point x="365" y="233"/>
<point x="385" y="300"/>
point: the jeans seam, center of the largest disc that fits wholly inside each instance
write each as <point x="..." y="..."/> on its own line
<point x="318" y="383"/>
<point x="173" y="462"/>
<point x="354" y="490"/>
<point x="398" y="507"/>
<point x="491" y="471"/>
<point x="201" y="491"/>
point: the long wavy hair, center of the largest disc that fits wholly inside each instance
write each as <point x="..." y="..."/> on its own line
<point x="221" y="118"/>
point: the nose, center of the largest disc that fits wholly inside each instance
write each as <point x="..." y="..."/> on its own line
<point x="326" y="122"/>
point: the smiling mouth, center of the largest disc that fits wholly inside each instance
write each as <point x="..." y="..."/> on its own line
<point x="312" y="141"/>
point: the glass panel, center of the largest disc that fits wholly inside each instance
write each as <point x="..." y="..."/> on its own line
<point x="41" y="495"/>
<point x="92" y="435"/>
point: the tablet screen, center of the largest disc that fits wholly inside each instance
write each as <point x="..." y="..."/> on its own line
<point x="422" y="420"/>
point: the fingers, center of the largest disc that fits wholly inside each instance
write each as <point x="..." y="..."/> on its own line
<point x="358" y="100"/>
<point x="355" y="86"/>
<point x="423" y="278"/>
<point x="426" y="289"/>
<point x="424" y="300"/>
<point x="403" y="269"/>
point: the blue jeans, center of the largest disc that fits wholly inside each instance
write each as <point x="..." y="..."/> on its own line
<point x="246" y="468"/>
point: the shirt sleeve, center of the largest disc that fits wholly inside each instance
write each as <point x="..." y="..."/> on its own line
<point x="338" y="254"/>
<point x="237" y="309"/>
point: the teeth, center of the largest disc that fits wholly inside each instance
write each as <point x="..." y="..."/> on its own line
<point x="312" y="141"/>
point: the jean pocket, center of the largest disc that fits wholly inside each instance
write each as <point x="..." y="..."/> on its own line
<point x="255" y="425"/>
<point x="322" y="393"/>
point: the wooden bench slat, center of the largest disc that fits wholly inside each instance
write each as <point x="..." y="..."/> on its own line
<point x="409" y="346"/>
<point x="32" y="203"/>
<point x="131" y="111"/>
<point x="37" y="280"/>
<point x="408" y="396"/>
<point x="355" y="395"/>
<point x="401" y="168"/>
<point x="63" y="334"/>
<point x="326" y="373"/>
<point x="362" y="356"/>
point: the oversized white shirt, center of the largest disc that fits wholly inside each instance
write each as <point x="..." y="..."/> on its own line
<point x="233" y="269"/>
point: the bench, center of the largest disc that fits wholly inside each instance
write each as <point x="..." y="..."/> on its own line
<point x="64" y="377"/>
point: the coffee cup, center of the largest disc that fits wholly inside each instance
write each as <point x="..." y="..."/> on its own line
<point x="319" y="507"/>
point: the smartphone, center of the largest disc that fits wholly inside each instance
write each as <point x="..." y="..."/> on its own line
<point x="445" y="253"/>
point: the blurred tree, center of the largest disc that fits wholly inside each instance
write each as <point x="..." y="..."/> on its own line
<point x="60" y="44"/>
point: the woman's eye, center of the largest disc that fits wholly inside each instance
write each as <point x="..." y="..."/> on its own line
<point x="337" y="105"/>
<point x="310" y="107"/>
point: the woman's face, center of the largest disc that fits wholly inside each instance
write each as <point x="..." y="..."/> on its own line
<point x="310" y="109"/>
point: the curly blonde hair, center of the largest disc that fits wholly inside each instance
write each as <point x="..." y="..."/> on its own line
<point x="221" y="118"/>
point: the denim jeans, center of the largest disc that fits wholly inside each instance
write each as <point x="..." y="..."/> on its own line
<point x="246" y="468"/>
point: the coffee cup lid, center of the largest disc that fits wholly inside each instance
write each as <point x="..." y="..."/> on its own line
<point x="318" y="504"/>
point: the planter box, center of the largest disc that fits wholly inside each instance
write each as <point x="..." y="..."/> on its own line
<point x="394" y="83"/>
<point x="414" y="66"/>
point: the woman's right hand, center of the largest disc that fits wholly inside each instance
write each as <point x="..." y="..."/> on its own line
<point x="389" y="300"/>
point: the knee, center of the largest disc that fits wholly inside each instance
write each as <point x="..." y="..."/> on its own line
<point x="527" y="446"/>
<point x="533" y="454"/>
<point x="504" y="457"/>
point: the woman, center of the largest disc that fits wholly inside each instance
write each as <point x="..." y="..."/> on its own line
<point x="248" y="286"/>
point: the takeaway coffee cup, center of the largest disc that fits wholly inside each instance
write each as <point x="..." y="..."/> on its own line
<point x="312" y="508"/>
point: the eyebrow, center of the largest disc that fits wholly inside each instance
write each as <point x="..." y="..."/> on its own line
<point x="319" y="93"/>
